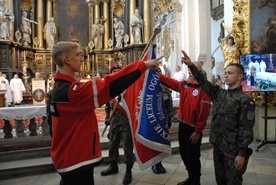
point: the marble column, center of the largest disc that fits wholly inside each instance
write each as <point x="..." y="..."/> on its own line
<point x="49" y="9"/>
<point x="106" y="23"/>
<point x="17" y="14"/>
<point x="40" y="23"/>
<point x="127" y="18"/>
<point x="132" y="10"/>
<point x="91" y="19"/>
<point x="147" y="21"/>
<point x="97" y="10"/>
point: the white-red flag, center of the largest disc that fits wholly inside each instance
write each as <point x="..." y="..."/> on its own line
<point x="144" y="106"/>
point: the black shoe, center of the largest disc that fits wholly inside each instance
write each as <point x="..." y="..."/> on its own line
<point x="155" y="169"/>
<point x="161" y="168"/>
<point x="185" y="182"/>
<point x="127" y="178"/>
<point x="110" y="170"/>
<point x="61" y="182"/>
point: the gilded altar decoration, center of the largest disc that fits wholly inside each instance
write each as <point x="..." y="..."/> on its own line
<point x="36" y="42"/>
<point x="26" y="5"/>
<point x="241" y="25"/>
<point x="110" y="43"/>
<point x="161" y="7"/>
<point x="259" y="98"/>
<point x="117" y="7"/>
<point x="166" y="43"/>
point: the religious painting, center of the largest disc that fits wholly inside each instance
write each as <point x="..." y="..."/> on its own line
<point x="73" y="21"/>
<point x="263" y="28"/>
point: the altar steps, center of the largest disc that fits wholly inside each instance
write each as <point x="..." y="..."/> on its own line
<point x="31" y="155"/>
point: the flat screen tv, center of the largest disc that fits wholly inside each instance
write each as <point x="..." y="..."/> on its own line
<point x="260" y="72"/>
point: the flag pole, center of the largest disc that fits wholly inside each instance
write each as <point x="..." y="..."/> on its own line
<point x="156" y="30"/>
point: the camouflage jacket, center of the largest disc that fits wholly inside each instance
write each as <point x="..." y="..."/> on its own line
<point x="233" y="116"/>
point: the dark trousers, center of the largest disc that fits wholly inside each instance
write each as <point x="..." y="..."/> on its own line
<point x="80" y="176"/>
<point x="190" y="153"/>
<point x="225" y="168"/>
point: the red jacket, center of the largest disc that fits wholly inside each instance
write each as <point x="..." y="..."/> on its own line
<point x="76" y="140"/>
<point x="194" y="104"/>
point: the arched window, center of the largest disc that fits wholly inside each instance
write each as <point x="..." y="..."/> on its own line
<point x="217" y="9"/>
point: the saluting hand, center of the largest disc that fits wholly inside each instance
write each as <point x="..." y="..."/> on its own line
<point x="186" y="59"/>
<point x="153" y="64"/>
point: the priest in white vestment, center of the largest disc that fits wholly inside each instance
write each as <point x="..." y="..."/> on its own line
<point x="17" y="88"/>
<point x="8" y="94"/>
<point x="179" y="75"/>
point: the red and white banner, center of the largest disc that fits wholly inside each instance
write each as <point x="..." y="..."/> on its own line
<point x="145" y="110"/>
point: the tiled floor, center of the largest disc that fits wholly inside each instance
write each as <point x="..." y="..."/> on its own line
<point x="261" y="171"/>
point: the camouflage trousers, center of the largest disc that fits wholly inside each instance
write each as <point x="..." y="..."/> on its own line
<point x="120" y="131"/>
<point x="224" y="168"/>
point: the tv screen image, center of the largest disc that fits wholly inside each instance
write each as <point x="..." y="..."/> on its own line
<point x="260" y="72"/>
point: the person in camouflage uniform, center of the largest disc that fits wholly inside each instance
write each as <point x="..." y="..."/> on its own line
<point x="119" y="131"/>
<point x="233" y="118"/>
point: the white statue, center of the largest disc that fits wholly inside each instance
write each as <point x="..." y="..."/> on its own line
<point x="17" y="35"/>
<point x="119" y="32"/>
<point x="26" y="29"/>
<point x="50" y="32"/>
<point x="6" y="20"/>
<point x="126" y="39"/>
<point x="97" y="34"/>
<point x="136" y="24"/>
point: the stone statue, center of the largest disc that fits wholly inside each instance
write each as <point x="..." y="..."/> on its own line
<point x="119" y="32"/>
<point x="6" y="20"/>
<point x="26" y="29"/>
<point x="18" y="35"/>
<point x="136" y="24"/>
<point x="50" y="32"/>
<point x="126" y="40"/>
<point x="97" y="34"/>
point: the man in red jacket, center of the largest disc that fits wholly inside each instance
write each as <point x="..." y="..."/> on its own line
<point x="75" y="146"/>
<point x="194" y="108"/>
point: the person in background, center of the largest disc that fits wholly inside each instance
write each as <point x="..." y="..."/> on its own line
<point x="37" y="76"/>
<point x="262" y="66"/>
<point x="194" y="108"/>
<point x="233" y="117"/>
<point x="17" y="88"/>
<point x="8" y="94"/>
<point x="202" y="70"/>
<point x="119" y="131"/>
<point x="179" y="75"/>
<point x="73" y="107"/>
